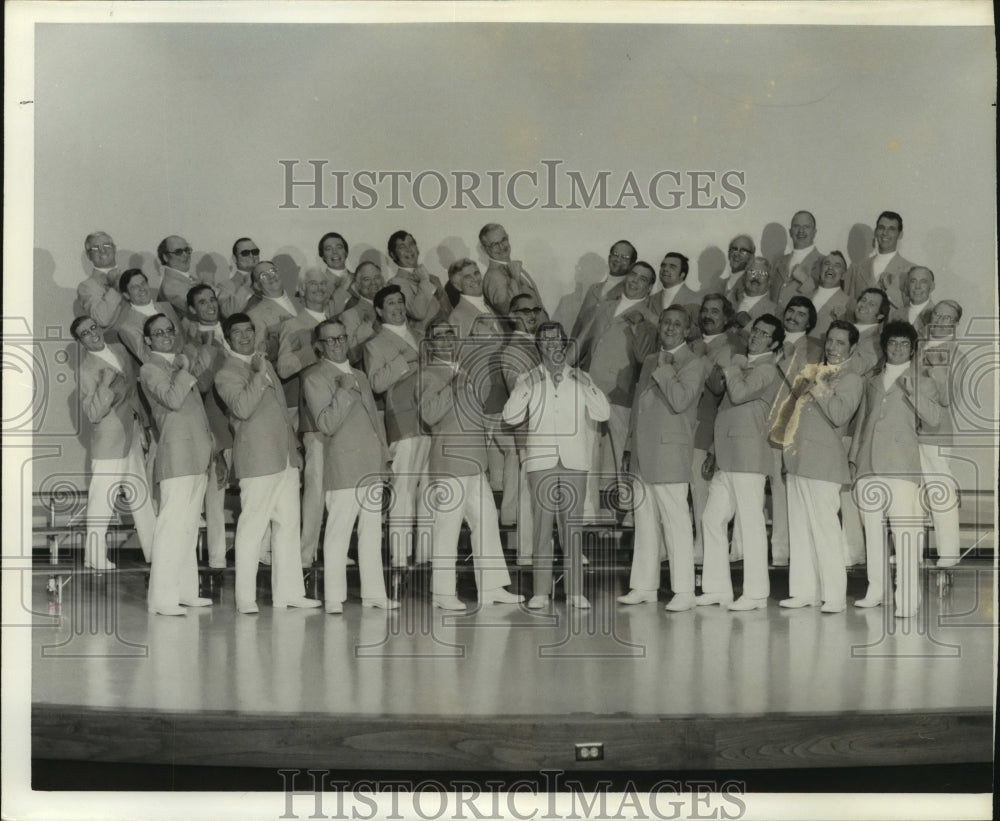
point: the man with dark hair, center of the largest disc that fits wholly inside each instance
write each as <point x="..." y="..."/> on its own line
<point x="333" y="250"/>
<point x="716" y="346"/>
<point x="391" y="362"/>
<point x="885" y="267"/>
<point x="886" y="463"/>
<point x="621" y="257"/>
<point x="743" y="457"/>
<point x="674" y="269"/>
<point x="183" y="453"/>
<point x="824" y="399"/>
<point x="424" y="293"/>
<point x="795" y="274"/>
<point x="454" y="411"/>
<point x="108" y="398"/>
<point x="871" y="312"/>
<point x="98" y="294"/>
<point x="341" y="408"/>
<point x="137" y="307"/>
<point x="266" y="462"/>
<point x="235" y="293"/>
<point x="797" y="350"/>
<point x="360" y="320"/>
<point x="659" y="452"/>
<point x="505" y="277"/>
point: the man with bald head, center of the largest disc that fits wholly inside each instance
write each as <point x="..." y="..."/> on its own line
<point x="98" y="294"/>
<point x="621" y="257"/>
<point x="794" y="273"/>
<point x="730" y="281"/>
<point x="505" y="278"/>
<point x="174" y="254"/>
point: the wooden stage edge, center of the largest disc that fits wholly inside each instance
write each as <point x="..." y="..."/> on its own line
<point x="510" y="743"/>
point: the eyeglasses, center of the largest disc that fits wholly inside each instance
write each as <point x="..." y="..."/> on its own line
<point x="623" y="257"/>
<point x="444" y="335"/>
<point x="177" y="252"/>
<point x="734" y="248"/>
<point x="250" y="252"/>
<point x="497" y="242"/>
<point x="104" y="246"/>
<point x="757" y="275"/>
<point x="898" y="343"/>
<point x="336" y="340"/>
<point x="270" y="273"/>
<point x="91" y="331"/>
<point x="163" y="332"/>
<point x="528" y="311"/>
<point x="762" y="332"/>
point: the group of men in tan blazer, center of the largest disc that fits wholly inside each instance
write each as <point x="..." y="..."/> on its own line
<point x="449" y="389"/>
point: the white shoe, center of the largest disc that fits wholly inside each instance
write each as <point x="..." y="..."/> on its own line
<point x="713" y="598"/>
<point x="638" y="597"/>
<point x="538" y="602"/>
<point x="449" y="603"/>
<point x="681" y="602"/>
<point x="868" y="602"/>
<point x="579" y="602"/>
<point x="744" y="603"/>
<point x="501" y="596"/>
<point x="382" y="604"/>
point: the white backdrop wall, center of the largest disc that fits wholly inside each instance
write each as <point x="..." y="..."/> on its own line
<point x="149" y="130"/>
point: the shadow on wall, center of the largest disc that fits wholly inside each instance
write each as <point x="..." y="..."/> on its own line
<point x="590" y="269"/>
<point x="859" y="242"/>
<point x="710" y="264"/>
<point x="773" y="241"/>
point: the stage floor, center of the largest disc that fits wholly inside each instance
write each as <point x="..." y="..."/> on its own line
<point x="507" y="673"/>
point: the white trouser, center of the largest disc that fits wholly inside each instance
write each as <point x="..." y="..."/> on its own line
<point x="662" y="512"/>
<point x="779" y="509"/>
<point x="742" y="495"/>
<point x="106" y="476"/>
<point x="215" y="512"/>
<point x="173" y="577"/>
<point x="469" y="498"/>
<point x="409" y="472"/>
<point x="344" y="507"/>
<point x="269" y="500"/>
<point x="312" y="496"/>
<point x="853" y="533"/>
<point x="879" y="497"/>
<point x="941" y="490"/>
<point x="816" y="562"/>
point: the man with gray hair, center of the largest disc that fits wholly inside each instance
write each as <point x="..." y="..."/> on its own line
<point x="505" y="277"/>
<point x="98" y="294"/>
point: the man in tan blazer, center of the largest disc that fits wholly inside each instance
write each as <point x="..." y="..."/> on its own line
<point x="885" y="268"/>
<point x="295" y="352"/>
<point x="824" y="398"/>
<point x="333" y="252"/>
<point x="391" y="358"/>
<point x="137" y="307"/>
<point x="829" y="299"/>
<point x="174" y="256"/>
<point x="360" y="319"/>
<point x="266" y="462"/>
<point x="919" y="305"/>
<point x="717" y="345"/>
<point x="559" y="405"/>
<point x="611" y="349"/>
<point x="108" y="397"/>
<point x="340" y="405"/>
<point x="236" y="292"/>
<point x="621" y="257"/>
<point x="455" y="412"/>
<point x="505" y="278"/>
<point x="423" y="291"/>
<point x="797" y="350"/>
<point x="794" y="273"/>
<point x="743" y="457"/>
<point x="268" y="316"/>
<point x="183" y="454"/>
<point x="753" y="300"/>
<point x="661" y="440"/>
<point x="940" y="359"/>
<point x="885" y="457"/>
<point x="204" y="349"/>
<point x="674" y="269"/>
<point x="98" y="294"/>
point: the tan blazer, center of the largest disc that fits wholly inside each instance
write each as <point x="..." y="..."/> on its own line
<point x="664" y="416"/>
<point x="264" y="442"/>
<point x="825" y="399"/>
<point x="612" y="350"/>
<point x="454" y="413"/>
<point x="802" y="281"/>
<point x="206" y="357"/>
<point x="719" y="351"/>
<point x="944" y="364"/>
<point x="592" y="299"/>
<point x="342" y="405"/>
<point x="100" y="298"/>
<point x="741" y="427"/>
<point x="361" y="323"/>
<point x="130" y="324"/>
<point x="859" y="277"/>
<point x="886" y="438"/>
<point x="184" y="442"/>
<point x="234" y="293"/>
<point x="114" y="411"/>
<point x="920" y="323"/>
<point x="795" y="356"/>
<point x="500" y="286"/>
<point x="424" y="303"/>
<point x="174" y="288"/>
<point x="484" y="337"/>
<point x="838" y="306"/>
<point x="391" y="366"/>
